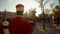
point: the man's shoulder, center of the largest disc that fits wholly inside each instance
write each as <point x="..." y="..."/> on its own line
<point x="19" y="19"/>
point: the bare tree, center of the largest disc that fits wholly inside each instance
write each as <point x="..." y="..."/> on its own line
<point x="42" y="5"/>
<point x="59" y="1"/>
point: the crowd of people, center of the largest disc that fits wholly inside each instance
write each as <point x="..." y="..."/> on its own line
<point x="20" y="25"/>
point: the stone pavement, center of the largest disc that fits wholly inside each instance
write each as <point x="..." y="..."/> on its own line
<point x="39" y="29"/>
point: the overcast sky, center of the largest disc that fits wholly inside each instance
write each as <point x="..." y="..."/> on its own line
<point x="10" y="4"/>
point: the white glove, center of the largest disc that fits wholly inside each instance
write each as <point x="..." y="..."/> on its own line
<point x="5" y="23"/>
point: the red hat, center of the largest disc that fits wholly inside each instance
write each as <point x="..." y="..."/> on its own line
<point x="19" y="5"/>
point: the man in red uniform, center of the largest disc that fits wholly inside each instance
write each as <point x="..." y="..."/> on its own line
<point x="1" y="28"/>
<point x="19" y="25"/>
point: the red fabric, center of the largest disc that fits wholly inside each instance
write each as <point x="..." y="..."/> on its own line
<point x="1" y="28"/>
<point x="34" y="20"/>
<point x="20" y="26"/>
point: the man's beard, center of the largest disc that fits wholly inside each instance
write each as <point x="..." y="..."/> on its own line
<point x="19" y="13"/>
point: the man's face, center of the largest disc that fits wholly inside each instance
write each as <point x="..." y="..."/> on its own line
<point x="20" y="10"/>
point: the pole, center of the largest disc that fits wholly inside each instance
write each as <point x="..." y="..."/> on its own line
<point x="42" y="8"/>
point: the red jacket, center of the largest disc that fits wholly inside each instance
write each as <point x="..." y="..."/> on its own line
<point x="19" y="25"/>
<point x="1" y="28"/>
